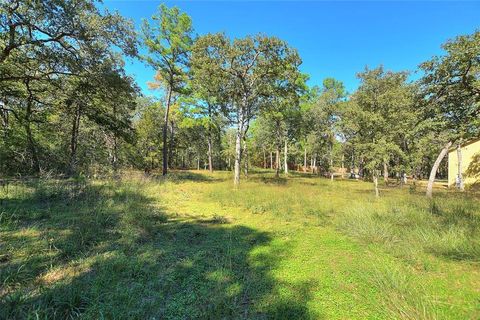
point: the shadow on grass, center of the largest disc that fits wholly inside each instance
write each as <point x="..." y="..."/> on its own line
<point x="269" y="180"/>
<point x="180" y="176"/>
<point x="109" y="252"/>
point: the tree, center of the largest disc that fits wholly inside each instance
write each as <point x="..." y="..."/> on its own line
<point x="208" y="85"/>
<point x="169" y="43"/>
<point x="307" y="101"/>
<point x="45" y="46"/>
<point x="323" y="116"/>
<point x="451" y="87"/>
<point x="256" y="68"/>
<point x="145" y="154"/>
<point x="380" y="113"/>
<point x="107" y="100"/>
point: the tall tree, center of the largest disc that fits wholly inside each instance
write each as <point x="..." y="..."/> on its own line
<point x="208" y="84"/>
<point x="451" y="85"/>
<point x="380" y="113"/>
<point x="169" y="40"/>
<point x="324" y="115"/>
<point x="256" y="69"/>
<point x="44" y="46"/>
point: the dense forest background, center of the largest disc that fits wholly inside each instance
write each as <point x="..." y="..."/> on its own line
<point x="67" y="106"/>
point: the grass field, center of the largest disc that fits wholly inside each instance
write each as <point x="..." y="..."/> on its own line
<point x="192" y="247"/>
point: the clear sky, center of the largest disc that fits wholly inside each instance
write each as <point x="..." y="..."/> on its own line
<point x="335" y="39"/>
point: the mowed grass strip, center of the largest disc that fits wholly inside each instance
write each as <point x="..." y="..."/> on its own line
<point x="191" y="246"/>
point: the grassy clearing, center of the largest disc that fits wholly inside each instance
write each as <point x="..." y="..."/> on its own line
<point x="192" y="247"/>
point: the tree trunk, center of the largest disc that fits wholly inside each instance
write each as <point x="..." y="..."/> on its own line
<point x="171" y="145"/>
<point x="385" y="172"/>
<point x="264" y="159"/>
<point x="210" y="162"/>
<point x="74" y="141"/>
<point x="360" y="168"/>
<point x="331" y="166"/>
<point x="112" y="144"/>
<point x="434" y="170"/>
<point x="461" y="187"/>
<point x="115" y="154"/>
<point x="111" y="141"/>
<point x="314" y="166"/>
<point x="245" y="153"/>
<point x="343" y="165"/>
<point x="375" y="183"/>
<point x="277" y="162"/>
<point x="198" y="162"/>
<point x="271" y="160"/>
<point x="305" y="161"/>
<point x="32" y="146"/>
<point x="286" y="157"/>
<point x="238" y="151"/>
<point x="210" y="149"/>
<point x="4" y="115"/>
<point x="165" y="132"/>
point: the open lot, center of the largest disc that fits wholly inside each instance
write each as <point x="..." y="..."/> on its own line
<point x="191" y="246"/>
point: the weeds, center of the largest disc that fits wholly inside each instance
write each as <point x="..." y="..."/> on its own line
<point x="191" y="247"/>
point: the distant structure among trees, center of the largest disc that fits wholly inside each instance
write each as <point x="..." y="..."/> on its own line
<point x="467" y="166"/>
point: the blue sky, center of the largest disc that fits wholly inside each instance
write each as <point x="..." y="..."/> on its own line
<point x="334" y="38"/>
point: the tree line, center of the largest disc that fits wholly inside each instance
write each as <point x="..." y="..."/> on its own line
<point x="68" y="107"/>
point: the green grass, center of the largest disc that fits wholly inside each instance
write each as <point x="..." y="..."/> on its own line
<point x="192" y="247"/>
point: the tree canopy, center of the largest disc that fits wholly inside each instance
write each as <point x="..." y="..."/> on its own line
<point x="67" y="105"/>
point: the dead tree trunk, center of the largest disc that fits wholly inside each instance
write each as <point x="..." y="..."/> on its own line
<point x="286" y="157"/>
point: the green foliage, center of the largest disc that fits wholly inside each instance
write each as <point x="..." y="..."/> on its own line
<point x="379" y="118"/>
<point x="61" y="68"/>
<point x="147" y="149"/>
<point x="452" y="87"/>
<point x="168" y="40"/>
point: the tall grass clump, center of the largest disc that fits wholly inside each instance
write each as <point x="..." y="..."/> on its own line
<point x="403" y="295"/>
<point x="448" y="229"/>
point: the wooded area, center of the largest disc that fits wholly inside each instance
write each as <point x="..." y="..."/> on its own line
<point x="116" y="204"/>
<point x="67" y="106"/>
